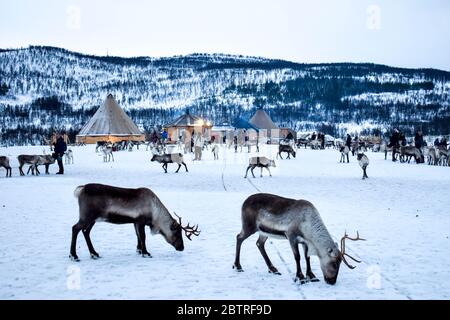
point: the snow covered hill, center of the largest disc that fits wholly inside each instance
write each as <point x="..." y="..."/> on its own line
<point x="402" y="211"/>
<point x="53" y="88"/>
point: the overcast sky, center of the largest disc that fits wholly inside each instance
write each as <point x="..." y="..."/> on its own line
<point x="409" y="33"/>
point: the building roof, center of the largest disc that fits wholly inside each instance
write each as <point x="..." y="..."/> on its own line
<point x="262" y="120"/>
<point x="186" y="120"/>
<point x="244" y="124"/>
<point x="110" y="119"/>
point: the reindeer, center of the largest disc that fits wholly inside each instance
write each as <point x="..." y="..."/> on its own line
<point x="68" y="157"/>
<point x="285" y="148"/>
<point x="46" y="160"/>
<point x="344" y="150"/>
<point x="407" y="152"/>
<point x="141" y="207"/>
<point x="215" y="151"/>
<point x="34" y="161"/>
<point x="363" y="161"/>
<point x="100" y="145"/>
<point x="432" y="158"/>
<point x="170" y="158"/>
<point x="107" y="151"/>
<point x="260" y="162"/>
<point x="442" y="156"/>
<point x="4" y="162"/>
<point x="299" y="222"/>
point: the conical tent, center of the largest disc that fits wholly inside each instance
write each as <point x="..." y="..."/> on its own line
<point x="110" y="123"/>
<point x="262" y="120"/>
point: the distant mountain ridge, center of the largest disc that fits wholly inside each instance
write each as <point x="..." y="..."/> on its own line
<point x="59" y="88"/>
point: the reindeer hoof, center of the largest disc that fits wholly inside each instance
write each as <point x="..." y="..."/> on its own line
<point x="301" y="280"/>
<point x="238" y="268"/>
<point x="275" y="272"/>
<point x="95" y="256"/>
<point x="146" y="255"/>
<point x="74" y="258"/>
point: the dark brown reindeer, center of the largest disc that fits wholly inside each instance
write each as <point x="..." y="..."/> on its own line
<point x="116" y="205"/>
<point x="285" y="148"/>
<point x="299" y="222"/>
<point x="4" y="162"/>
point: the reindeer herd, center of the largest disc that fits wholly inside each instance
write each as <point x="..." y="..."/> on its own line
<point x="269" y="215"/>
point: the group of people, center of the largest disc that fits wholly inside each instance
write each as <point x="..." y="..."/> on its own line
<point x="319" y="136"/>
<point x="398" y="139"/>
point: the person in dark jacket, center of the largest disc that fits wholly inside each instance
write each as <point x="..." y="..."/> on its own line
<point x="348" y="142"/>
<point x="394" y="143"/>
<point x="418" y="140"/>
<point x="59" y="150"/>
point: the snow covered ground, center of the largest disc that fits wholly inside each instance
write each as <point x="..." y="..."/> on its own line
<point x="402" y="210"/>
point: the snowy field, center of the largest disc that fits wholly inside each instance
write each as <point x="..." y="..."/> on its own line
<point x="402" y="210"/>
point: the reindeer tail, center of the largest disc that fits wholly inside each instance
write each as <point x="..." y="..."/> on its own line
<point x="78" y="191"/>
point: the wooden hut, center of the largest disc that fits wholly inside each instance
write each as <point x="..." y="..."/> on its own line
<point x="185" y="125"/>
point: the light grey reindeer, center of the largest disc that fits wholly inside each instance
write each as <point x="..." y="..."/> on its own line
<point x="299" y="222"/>
<point x="363" y="161"/>
<point x="98" y="202"/>
<point x="68" y="157"/>
<point x="107" y="151"/>
<point x="344" y="150"/>
<point x="260" y="162"/>
<point x="4" y="162"/>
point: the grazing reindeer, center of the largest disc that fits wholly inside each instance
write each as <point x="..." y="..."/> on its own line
<point x="107" y="151"/>
<point x="34" y="161"/>
<point x="297" y="221"/>
<point x="4" y="162"/>
<point x="170" y="158"/>
<point x="141" y="207"/>
<point x="285" y="148"/>
<point x="344" y="150"/>
<point x="261" y="162"/>
<point x="68" y="157"/>
<point x="215" y="151"/>
<point x="363" y="161"/>
<point x="407" y="152"/>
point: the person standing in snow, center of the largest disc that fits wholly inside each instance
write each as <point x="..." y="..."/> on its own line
<point x="418" y="140"/>
<point x="60" y="147"/>
<point x="198" y="144"/>
<point x="348" y="142"/>
<point x="394" y="143"/>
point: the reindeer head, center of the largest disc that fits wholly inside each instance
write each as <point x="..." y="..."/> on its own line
<point x="272" y="163"/>
<point x="176" y="237"/>
<point x="331" y="263"/>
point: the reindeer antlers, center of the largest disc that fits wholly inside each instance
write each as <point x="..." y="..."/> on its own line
<point x="188" y="230"/>
<point x="343" y="254"/>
